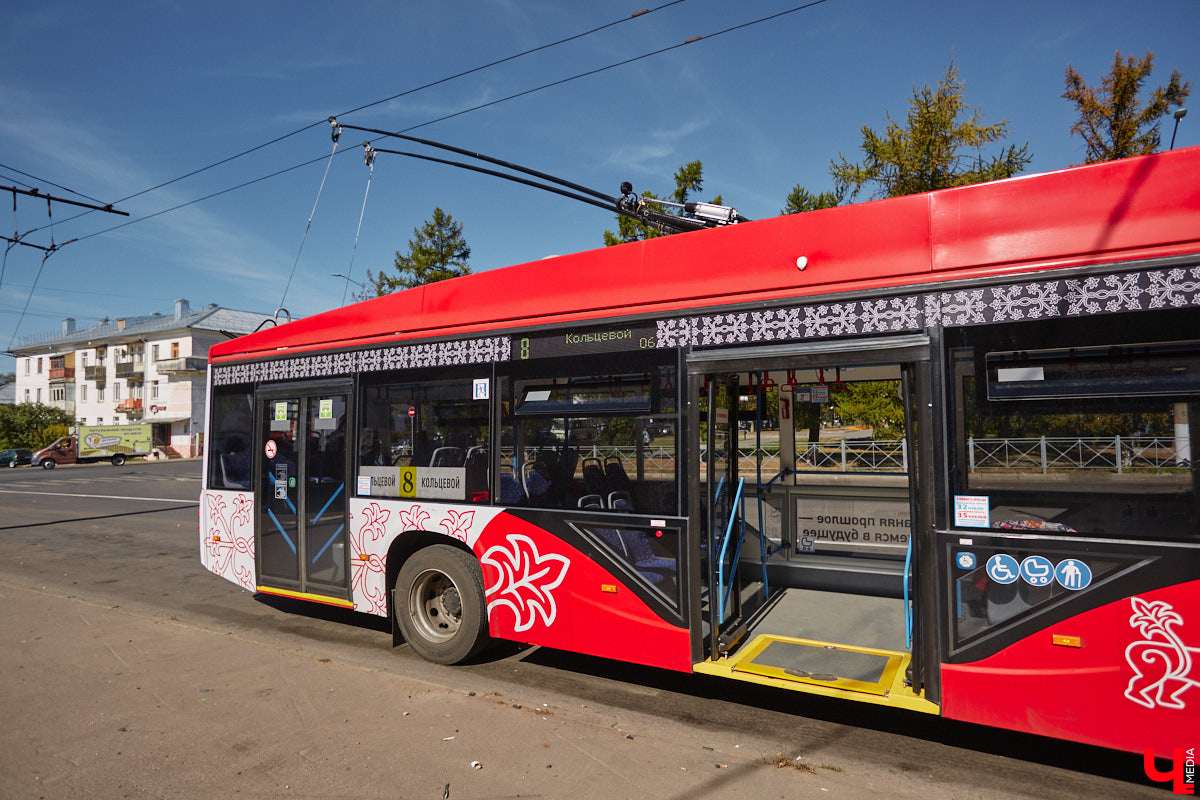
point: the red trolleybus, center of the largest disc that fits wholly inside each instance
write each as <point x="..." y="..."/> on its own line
<point x="935" y="452"/>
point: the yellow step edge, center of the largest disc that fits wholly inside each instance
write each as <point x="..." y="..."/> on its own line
<point x="340" y="602"/>
<point x="896" y="694"/>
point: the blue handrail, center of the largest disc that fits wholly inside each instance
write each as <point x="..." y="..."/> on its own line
<point x="733" y="516"/>
<point x="908" y="616"/>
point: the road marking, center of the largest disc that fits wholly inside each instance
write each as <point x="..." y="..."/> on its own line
<point x="101" y="496"/>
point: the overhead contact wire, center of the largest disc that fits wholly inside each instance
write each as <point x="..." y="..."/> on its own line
<point x="311" y="214"/>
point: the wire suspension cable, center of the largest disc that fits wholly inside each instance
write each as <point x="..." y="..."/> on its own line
<point x="311" y="214"/>
<point x="422" y="87"/>
<point x="544" y="86"/>
<point x="369" y="158"/>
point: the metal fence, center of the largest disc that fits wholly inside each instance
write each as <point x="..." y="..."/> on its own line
<point x="1036" y="454"/>
<point x="1044" y="453"/>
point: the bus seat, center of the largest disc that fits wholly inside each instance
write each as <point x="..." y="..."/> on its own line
<point x="620" y="501"/>
<point x="614" y="472"/>
<point x="537" y="482"/>
<point x="593" y="477"/>
<point x="511" y="493"/>
<point x="447" y="457"/>
<point x="477" y="471"/>
<point x="591" y="501"/>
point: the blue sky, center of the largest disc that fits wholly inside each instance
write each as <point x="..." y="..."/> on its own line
<point x="110" y="99"/>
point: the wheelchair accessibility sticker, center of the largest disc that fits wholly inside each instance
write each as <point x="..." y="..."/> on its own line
<point x="1070" y="573"/>
<point x="1003" y="568"/>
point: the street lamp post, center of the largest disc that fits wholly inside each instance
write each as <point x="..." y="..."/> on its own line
<point x="359" y="285"/>
<point x="1180" y="114"/>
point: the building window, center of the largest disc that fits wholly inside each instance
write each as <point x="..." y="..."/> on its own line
<point x="39" y="391"/>
<point x="154" y="352"/>
<point x="116" y="391"/>
<point x="154" y="388"/>
<point x="27" y="367"/>
<point x="39" y="366"/>
<point x="83" y="392"/>
<point x="99" y="396"/>
<point x="174" y="351"/>
<point x="26" y="395"/>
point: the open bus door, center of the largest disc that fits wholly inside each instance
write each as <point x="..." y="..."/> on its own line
<point x="832" y="532"/>
<point x="300" y="530"/>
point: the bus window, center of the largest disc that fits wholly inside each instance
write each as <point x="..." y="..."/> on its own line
<point x="433" y="426"/>
<point x="1093" y="437"/>
<point x="600" y="442"/>
<point x="229" y="439"/>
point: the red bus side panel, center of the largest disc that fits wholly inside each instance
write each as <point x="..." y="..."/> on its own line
<point x="1133" y="681"/>
<point x="542" y="591"/>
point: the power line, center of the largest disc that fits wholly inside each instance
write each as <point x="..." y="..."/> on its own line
<point x="515" y="96"/>
<point x="405" y="93"/>
<point x="51" y="183"/>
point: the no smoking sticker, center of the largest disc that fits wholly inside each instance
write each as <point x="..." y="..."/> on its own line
<point x="270" y="449"/>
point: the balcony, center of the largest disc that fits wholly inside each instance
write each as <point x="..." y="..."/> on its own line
<point x="185" y="365"/>
<point x="133" y="370"/>
<point x="97" y="373"/>
<point x="62" y="374"/>
<point x="130" y="407"/>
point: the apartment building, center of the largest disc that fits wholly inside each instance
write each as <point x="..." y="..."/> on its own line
<point x="132" y="370"/>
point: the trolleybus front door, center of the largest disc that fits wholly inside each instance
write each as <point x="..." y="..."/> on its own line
<point x="301" y="526"/>
<point x="824" y="531"/>
<point x="722" y="490"/>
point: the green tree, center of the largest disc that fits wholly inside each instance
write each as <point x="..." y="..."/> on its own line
<point x="873" y="403"/>
<point x="940" y="145"/>
<point x="437" y="252"/>
<point x="31" y="425"/>
<point x="1113" y="120"/>
<point x="689" y="179"/>
<point x="800" y="200"/>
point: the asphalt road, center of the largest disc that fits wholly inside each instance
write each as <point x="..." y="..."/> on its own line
<point x="126" y="537"/>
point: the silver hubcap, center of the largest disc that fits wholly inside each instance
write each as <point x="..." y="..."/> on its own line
<point x="435" y="606"/>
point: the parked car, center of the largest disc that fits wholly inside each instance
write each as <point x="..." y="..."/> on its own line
<point x="12" y="458"/>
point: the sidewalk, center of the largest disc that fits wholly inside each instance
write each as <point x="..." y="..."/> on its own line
<point x="103" y="702"/>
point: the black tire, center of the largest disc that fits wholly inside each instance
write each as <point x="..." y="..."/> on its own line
<point x="439" y="604"/>
<point x="49" y="463"/>
<point x="118" y="459"/>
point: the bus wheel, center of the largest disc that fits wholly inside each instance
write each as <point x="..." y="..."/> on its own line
<point x="118" y="459"/>
<point x="49" y="463"/>
<point x="439" y="604"/>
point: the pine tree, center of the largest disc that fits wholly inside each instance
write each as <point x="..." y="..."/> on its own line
<point x="927" y="151"/>
<point x="437" y="252"/>
<point x="1113" y="121"/>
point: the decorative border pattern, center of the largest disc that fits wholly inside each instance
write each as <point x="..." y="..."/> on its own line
<point x="1066" y="297"/>
<point x="329" y="365"/>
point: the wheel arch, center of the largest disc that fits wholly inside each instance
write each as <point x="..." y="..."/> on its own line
<point x="401" y="549"/>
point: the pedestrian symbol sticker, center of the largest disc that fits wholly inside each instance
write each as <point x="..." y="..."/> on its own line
<point x="1003" y="568"/>
<point x="1037" y="570"/>
<point x="1073" y="574"/>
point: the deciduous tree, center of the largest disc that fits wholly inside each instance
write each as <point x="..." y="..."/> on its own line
<point x="31" y="425"/>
